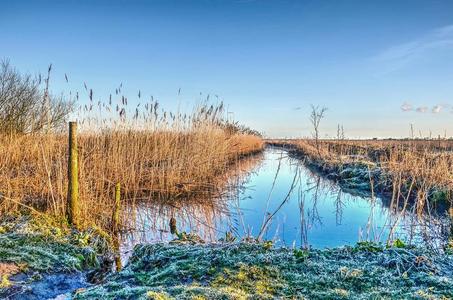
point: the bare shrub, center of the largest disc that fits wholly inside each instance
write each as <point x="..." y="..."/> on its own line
<point x="25" y="107"/>
<point x="316" y="116"/>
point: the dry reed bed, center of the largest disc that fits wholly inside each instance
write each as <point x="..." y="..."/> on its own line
<point x="159" y="164"/>
<point x="417" y="171"/>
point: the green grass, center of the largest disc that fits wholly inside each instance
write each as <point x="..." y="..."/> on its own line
<point x="254" y="271"/>
<point x="42" y="245"/>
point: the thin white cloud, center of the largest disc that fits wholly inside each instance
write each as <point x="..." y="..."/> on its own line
<point x="436" y="109"/>
<point x="406" y="106"/>
<point x="422" y="109"/>
<point x="398" y="56"/>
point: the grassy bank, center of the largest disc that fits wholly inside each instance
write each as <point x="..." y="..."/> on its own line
<point x="417" y="172"/>
<point x="258" y="271"/>
<point x="34" y="247"/>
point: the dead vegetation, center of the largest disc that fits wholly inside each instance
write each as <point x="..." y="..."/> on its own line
<point x="413" y="177"/>
<point x="26" y="104"/>
<point x="155" y="154"/>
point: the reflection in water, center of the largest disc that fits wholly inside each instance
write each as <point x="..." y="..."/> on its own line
<point x="274" y="197"/>
<point x="211" y="217"/>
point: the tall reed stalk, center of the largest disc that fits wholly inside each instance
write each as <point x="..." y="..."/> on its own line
<point x="163" y="157"/>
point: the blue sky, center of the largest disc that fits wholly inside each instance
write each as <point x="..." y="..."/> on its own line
<point x="378" y="66"/>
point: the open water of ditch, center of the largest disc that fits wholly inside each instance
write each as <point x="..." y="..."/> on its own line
<point x="278" y="198"/>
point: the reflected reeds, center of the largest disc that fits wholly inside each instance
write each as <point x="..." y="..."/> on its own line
<point x="210" y="215"/>
<point x="275" y="197"/>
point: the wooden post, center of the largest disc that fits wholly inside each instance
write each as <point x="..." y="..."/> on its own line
<point x="116" y="209"/>
<point x="116" y="227"/>
<point x="73" y="177"/>
<point x="450" y="211"/>
<point x="173" y="227"/>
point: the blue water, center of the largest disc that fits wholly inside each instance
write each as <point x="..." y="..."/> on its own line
<point x="316" y="213"/>
<point x="308" y="210"/>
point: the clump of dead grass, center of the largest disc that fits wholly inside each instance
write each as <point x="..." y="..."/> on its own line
<point x="162" y="157"/>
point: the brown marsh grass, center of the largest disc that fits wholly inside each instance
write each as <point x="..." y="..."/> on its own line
<point x="428" y="162"/>
<point x="417" y="174"/>
<point x="155" y="157"/>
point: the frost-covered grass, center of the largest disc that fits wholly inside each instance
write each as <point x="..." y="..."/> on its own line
<point x="256" y="271"/>
<point x="41" y="245"/>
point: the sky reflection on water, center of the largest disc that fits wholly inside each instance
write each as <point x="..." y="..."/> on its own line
<point x="316" y="213"/>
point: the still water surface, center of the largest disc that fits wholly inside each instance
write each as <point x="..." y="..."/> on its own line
<point x="306" y="208"/>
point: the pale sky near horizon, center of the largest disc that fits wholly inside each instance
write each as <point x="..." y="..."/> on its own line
<point x="378" y="66"/>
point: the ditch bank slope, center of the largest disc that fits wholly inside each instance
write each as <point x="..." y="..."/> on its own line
<point x="259" y="271"/>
